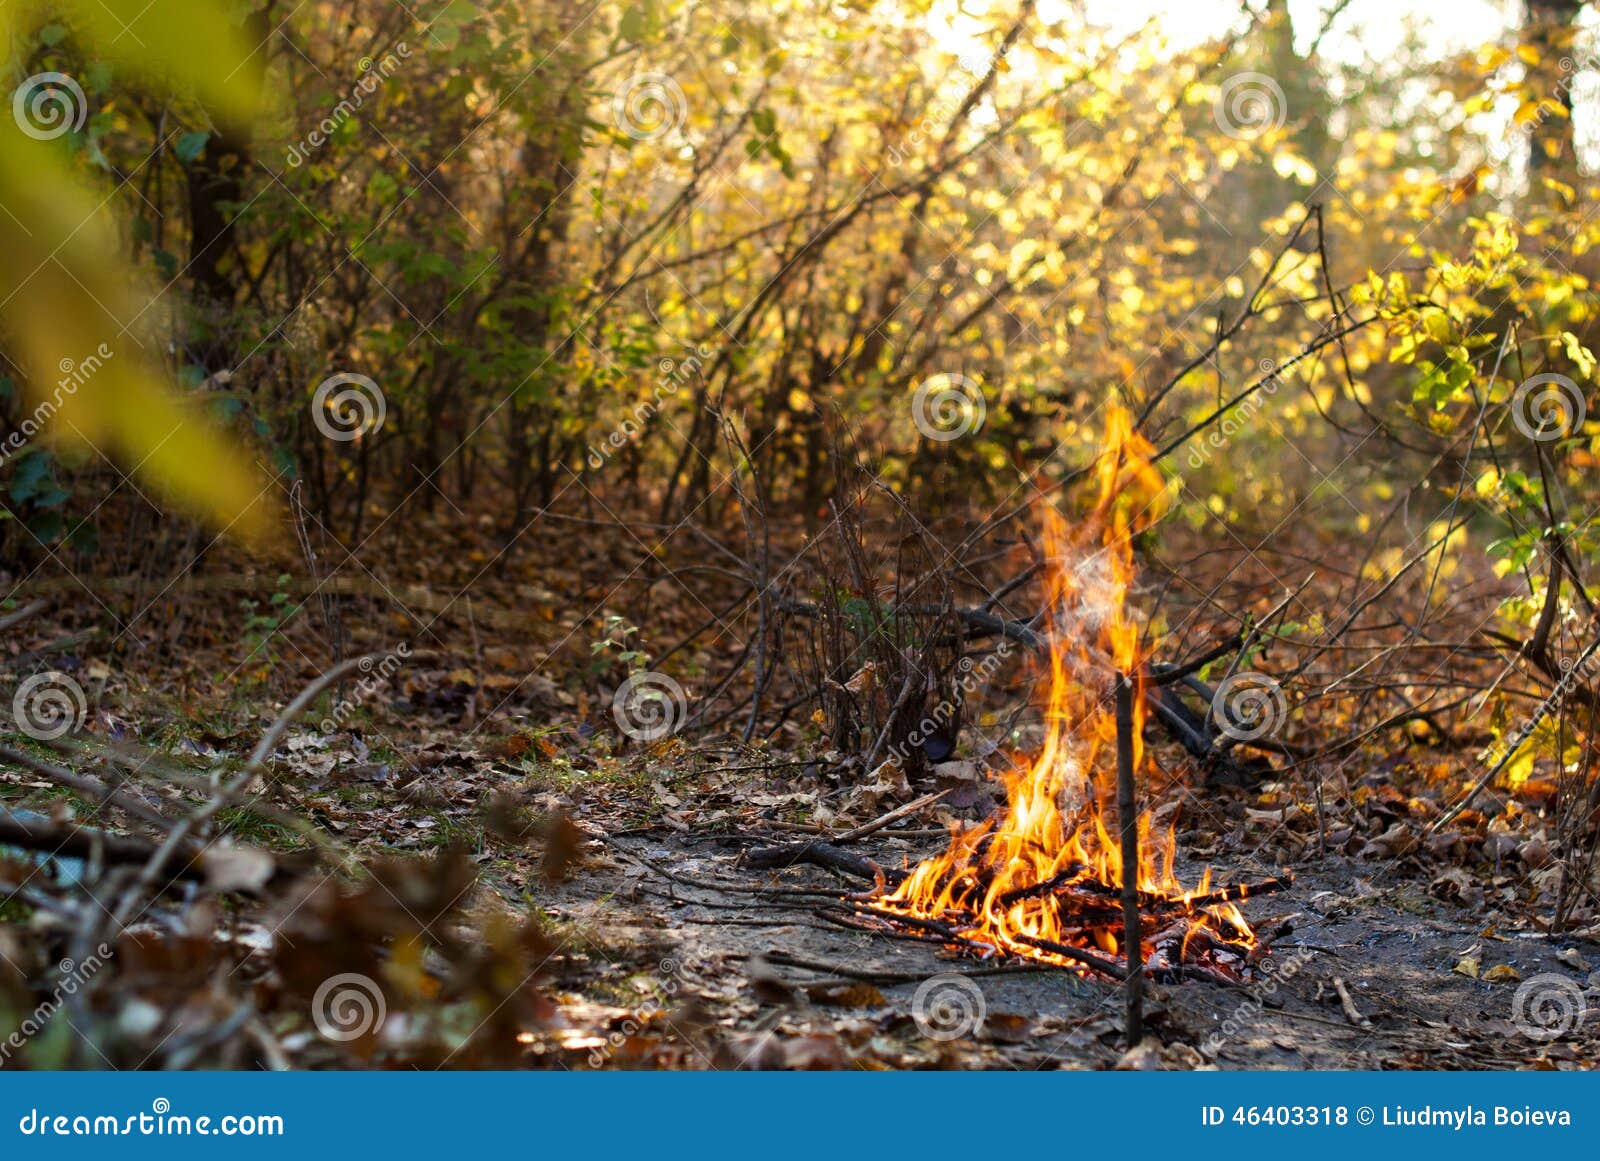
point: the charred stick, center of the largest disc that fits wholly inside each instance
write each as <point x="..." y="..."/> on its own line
<point x="1181" y="723"/>
<point x="1195" y="971"/>
<point x="818" y="854"/>
<point x="1100" y="963"/>
<point x="1128" y="819"/>
<point x="894" y="815"/>
<point x="935" y="926"/>
<point x="859" y="923"/>
<point x="13" y="619"/>
<point x="1348" y="1003"/>
<point x="1061" y="879"/>
<point x="1239" y="891"/>
<point x="1168" y="674"/>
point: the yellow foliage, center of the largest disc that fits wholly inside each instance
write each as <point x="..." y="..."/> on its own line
<point x="70" y="302"/>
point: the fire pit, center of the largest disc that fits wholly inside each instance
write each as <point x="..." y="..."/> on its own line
<point x="1045" y="880"/>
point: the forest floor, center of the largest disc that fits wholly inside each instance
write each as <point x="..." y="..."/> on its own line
<point x="776" y="988"/>
<point x="652" y="946"/>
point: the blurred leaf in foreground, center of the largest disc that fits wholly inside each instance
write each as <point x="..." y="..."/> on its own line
<point x="69" y="304"/>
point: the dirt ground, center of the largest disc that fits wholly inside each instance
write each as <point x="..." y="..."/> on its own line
<point x="760" y="980"/>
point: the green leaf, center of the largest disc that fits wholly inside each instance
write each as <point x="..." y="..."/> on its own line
<point x="190" y="146"/>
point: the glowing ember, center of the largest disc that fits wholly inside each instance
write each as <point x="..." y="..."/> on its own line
<point x="1042" y="882"/>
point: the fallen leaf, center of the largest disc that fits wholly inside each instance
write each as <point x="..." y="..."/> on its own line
<point x="1573" y="959"/>
<point x="561" y="841"/>
<point x="231" y="868"/>
<point x="1007" y="1028"/>
<point x="851" y="995"/>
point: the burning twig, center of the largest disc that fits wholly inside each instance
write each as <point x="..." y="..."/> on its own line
<point x="1099" y="963"/>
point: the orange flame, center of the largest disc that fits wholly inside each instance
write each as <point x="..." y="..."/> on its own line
<point x="1003" y="883"/>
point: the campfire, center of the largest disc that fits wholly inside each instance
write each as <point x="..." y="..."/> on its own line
<point x="1045" y="880"/>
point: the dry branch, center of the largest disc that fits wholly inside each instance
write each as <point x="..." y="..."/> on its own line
<point x="818" y="854"/>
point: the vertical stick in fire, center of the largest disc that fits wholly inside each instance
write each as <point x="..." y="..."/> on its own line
<point x="1128" y="820"/>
